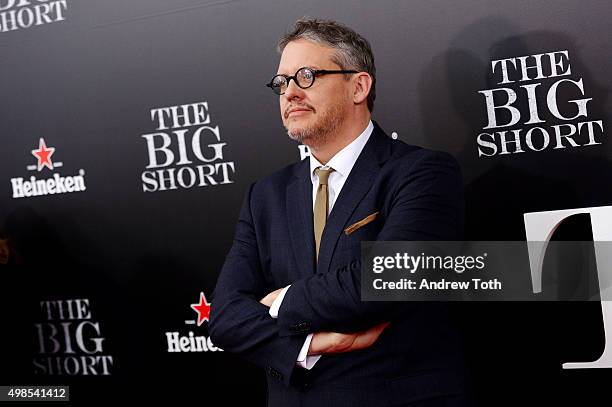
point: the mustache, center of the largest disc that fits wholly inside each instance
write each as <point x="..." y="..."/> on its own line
<point x="303" y="106"/>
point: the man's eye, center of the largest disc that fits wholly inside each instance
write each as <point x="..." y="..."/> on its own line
<point x="307" y="74"/>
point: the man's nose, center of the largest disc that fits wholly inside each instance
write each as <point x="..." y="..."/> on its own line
<point x="293" y="91"/>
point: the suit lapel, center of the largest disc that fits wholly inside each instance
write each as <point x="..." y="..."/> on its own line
<point x="359" y="182"/>
<point x="300" y="218"/>
<point x="299" y="204"/>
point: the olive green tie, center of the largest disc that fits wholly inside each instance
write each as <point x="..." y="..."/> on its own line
<point x="321" y="205"/>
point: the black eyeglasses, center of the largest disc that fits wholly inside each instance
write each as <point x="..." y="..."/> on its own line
<point x="304" y="78"/>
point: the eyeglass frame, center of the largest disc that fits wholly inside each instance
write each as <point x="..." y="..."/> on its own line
<point x="315" y="73"/>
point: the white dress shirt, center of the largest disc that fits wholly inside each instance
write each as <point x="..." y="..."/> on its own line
<point x="342" y="163"/>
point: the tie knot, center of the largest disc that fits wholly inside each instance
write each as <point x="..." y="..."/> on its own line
<point x="323" y="174"/>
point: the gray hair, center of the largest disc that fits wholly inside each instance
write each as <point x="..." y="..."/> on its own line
<point x="351" y="50"/>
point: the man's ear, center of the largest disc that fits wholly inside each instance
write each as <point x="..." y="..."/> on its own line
<point x="362" y="85"/>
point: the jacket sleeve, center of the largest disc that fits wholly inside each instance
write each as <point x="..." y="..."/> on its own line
<point x="239" y="323"/>
<point x="427" y="204"/>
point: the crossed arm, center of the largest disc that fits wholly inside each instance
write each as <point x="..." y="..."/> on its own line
<point x="426" y="205"/>
<point x="241" y="324"/>
<point x="336" y="342"/>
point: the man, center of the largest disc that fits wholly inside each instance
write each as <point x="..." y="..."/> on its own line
<point x="288" y="296"/>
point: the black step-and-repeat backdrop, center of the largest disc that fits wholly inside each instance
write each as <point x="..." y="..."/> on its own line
<point x="130" y="131"/>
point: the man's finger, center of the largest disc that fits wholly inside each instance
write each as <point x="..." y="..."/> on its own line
<point x="369" y="337"/>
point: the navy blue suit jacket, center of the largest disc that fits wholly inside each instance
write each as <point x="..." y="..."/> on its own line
<point x="419" y="196"/>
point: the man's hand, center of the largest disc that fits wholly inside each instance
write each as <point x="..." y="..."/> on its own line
<point x="335" y="342"/>
<point x="269" y="299"/>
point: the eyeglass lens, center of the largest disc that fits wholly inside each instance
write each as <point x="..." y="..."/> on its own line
<point x="304" y="78"/>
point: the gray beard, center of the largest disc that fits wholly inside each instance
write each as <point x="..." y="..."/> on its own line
<point x="319" y="133"/>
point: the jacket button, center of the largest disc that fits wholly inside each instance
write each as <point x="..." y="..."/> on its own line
<point x="275" y="373"/>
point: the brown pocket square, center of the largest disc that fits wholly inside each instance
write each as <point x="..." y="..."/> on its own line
<point x="361" y="223"/>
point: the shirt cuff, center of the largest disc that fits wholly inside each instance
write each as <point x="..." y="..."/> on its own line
<point x="277" y="303"/>
<point x="304" y="360"/>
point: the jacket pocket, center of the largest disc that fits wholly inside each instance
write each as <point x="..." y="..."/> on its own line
<point x="361" y="223"/>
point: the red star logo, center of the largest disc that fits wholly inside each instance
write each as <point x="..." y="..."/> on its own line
<point x="43" y="154"/>
<point x="203" y="309"/>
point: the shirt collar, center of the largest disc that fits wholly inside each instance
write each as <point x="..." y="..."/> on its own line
<point x="344" y="160"/>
